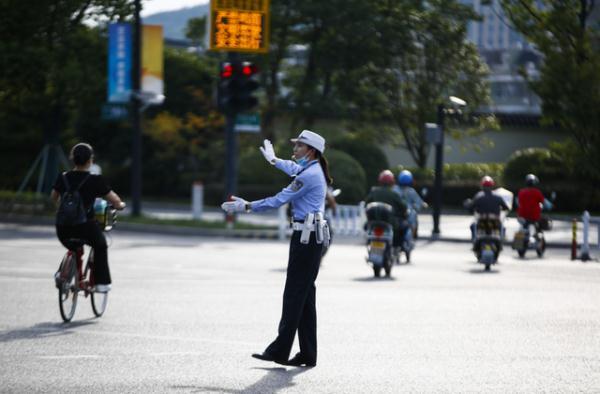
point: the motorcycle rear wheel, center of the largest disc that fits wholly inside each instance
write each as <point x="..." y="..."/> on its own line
<point x="377" y="271"/>
<point x="541" y="247"/>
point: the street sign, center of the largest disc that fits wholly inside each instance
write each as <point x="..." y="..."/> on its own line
<point x="249" y="123"/>
<point x="433" y="133"/>
<point x="111" y="111"/>
<point x="239" y="25"/>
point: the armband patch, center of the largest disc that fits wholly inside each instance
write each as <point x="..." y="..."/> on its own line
<point x="296" y="185"/>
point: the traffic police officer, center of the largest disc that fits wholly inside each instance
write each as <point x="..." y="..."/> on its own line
<point x="306" y="193"/>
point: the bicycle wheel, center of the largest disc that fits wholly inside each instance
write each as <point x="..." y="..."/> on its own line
<point x="67" y="289"/>
<point x="99" y="303"/>
<point x="99" y="300"/>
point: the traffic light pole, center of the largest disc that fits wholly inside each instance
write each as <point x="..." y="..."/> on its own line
<point x="231" y="144"/>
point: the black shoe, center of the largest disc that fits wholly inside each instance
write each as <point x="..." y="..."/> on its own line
<point x="268" y="357"/>
<point x="298" y="361"/>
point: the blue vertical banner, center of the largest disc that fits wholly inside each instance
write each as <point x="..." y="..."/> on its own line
<point x="120" y="58"/>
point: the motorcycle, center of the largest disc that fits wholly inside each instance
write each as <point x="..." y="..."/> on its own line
<point x="488" y="232"/>
<point x="380" y="236"/>
<point x="525" y="239"/>
<point x="487" y="240"/>
<point x="408" y="243"/>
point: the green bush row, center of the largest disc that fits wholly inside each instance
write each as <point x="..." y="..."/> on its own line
<point x="25" y="203"/>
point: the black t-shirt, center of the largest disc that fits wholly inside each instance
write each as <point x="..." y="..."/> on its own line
<point x="94" y="186"/>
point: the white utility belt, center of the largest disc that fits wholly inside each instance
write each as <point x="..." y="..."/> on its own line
<point x="313" y="221"/>
<point x="298" y="226"/>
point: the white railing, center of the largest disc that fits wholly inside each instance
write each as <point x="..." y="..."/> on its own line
<point x="348" y="220"/>
<point x="585" y="246"/>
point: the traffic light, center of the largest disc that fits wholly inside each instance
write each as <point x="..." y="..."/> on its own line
<point x="236" y="87"/>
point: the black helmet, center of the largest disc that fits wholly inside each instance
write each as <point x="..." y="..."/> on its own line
<point x="531" y="180"/>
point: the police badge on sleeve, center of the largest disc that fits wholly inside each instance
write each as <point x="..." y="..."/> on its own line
<point x="296" y="185"/>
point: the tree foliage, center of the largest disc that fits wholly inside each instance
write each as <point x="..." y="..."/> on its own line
<point x="50" y="70"/>
<point x="569" y="79"/>
<point x="382" y="66"/>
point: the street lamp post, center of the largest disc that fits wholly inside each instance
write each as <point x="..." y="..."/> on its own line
<point x="439" y="162"/>
<point x="136" y="143"/>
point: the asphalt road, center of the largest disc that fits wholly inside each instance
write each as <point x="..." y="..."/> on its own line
<point x="186" y="313"/>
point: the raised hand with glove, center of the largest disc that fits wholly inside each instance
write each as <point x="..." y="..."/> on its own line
<point x="268" y="152"/>
<point x="237" y="204"/>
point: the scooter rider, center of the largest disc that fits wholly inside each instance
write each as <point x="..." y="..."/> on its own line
<point x="307" y="195"/>
<point x="486" y="202"/>
<point x="410" y="197"/>
<point x="384" y="193"/>
<point x="530" y="200"/>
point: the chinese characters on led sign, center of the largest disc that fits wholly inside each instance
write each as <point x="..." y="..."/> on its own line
<point x="239" y="25"/>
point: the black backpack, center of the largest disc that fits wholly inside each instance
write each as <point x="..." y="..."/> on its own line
<point x="71" y="210"/>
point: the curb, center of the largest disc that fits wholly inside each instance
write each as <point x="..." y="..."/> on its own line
<point x="152" y="228"/>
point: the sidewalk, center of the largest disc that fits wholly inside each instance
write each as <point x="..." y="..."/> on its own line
<point x="453" y="227"/>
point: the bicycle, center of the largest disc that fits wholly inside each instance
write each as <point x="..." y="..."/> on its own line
<point x="73" y="277"/>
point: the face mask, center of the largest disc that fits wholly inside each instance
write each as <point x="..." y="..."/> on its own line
<point x="303" y="161"/>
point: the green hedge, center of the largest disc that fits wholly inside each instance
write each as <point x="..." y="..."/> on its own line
<point x="25" y="203"/>
<point x="462" y="173"/>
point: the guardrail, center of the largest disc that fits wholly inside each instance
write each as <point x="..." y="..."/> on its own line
<point x="348" y="220"/>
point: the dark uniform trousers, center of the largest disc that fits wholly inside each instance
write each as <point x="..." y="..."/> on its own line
<point x="92" y="235"/>
<point x="299" y="312"/>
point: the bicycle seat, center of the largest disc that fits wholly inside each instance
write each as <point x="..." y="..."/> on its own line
<point x="74" y="243"/>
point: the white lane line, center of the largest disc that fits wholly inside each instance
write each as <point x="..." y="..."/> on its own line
<point x="69" y="356"/>
<point x="170" y="338"/>
<point x="76" y="330"/>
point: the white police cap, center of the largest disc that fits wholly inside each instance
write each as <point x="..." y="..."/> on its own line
<point x="311" y="138"/>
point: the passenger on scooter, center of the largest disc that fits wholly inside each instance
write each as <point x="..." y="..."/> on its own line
<point x="530" y="200"/>
<point x="485" y="203"/>
<point x="384" y="193"/>
<point x="409" y="195"/>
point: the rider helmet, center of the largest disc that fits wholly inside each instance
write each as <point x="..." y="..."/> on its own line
<point x="487" y="182"/>
<point x="405" y="178"/>
<point x="531" y="180"/>
<point x="386" y="177"/>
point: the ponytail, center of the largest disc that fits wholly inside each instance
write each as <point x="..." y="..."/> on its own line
<point x="325" y="166"/>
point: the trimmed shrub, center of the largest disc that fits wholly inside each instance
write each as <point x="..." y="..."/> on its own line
<point x="546" y="165"/>
<point x="370" y="156"/>
<point x="347" y="175"/>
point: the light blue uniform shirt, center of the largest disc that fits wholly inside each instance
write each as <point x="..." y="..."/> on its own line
<point x="306" y="192"/>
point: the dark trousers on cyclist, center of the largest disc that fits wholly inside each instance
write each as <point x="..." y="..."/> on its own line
<point x="91" y="234"/>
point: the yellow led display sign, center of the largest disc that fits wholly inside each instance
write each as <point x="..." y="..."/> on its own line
<point x="239" y="25"/>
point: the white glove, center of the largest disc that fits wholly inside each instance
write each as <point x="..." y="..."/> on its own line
<point x="237" y="205"/>
<point x="268" y="151"/>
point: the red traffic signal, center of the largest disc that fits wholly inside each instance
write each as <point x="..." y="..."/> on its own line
<point x="249" y="69"/>
<point x="226" y="70"/>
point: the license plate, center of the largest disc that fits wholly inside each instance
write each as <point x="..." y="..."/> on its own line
<point x="378" y="245"/>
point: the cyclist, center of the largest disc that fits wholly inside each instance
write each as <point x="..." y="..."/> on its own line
<point x="531" y="200"/>
<point x="90" y="187"/>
